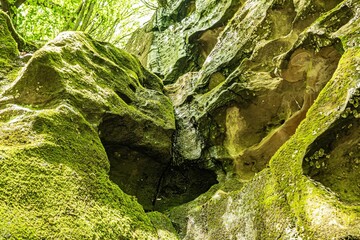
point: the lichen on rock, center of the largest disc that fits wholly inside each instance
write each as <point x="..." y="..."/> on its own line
<point x="253" y="136"/>
<point x="280" y="83"/>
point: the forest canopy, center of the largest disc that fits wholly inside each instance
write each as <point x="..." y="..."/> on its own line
<point x="105" y="20"/>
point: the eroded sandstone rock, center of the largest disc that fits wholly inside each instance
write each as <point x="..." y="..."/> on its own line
<point x="280" y="83"/>
<point x="266" y="103"/>
<point x="184" y="32"/>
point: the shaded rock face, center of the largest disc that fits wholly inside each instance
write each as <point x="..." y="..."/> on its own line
<point x="180" y="185"/>
<point x="260" y="111"/>
<point x="243" y="105"/>
<point x="265" y="95"/>
<point x="333" y="159"/>
<point x="189" y="30"/>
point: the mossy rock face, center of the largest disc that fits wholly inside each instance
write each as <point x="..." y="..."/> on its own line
<point x="57" y="120"/>
<point x="165" y="229"/>
<point x="256" y="83"/>
<point x="183" y="34"/>
<point x="290" y="199"/>
<point x="275" y="105"/>
<point x="266" y="102"/>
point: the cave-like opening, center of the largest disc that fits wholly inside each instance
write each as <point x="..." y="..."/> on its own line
<point x="149" y="175"/>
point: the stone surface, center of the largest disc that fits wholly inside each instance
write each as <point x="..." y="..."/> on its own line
<point x="278" y="81"/>
<point x="309" y="190"/>
<point x="183" y="33"/>
<point x="58" y="118"/>
<point x="262" y="115"/>
<point x="252" y="103"/>
<point x="163" y="225"/>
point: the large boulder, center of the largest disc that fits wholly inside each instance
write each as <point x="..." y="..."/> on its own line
<point x="76" y="105"/>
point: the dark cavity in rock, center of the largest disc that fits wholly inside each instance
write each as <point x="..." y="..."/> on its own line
<point x="146" y="172"/>
<point x="334" y="158"/>
<point x="181" y="184"/>
<point x="157" y="185"/>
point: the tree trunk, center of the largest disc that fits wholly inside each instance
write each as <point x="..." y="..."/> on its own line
<point x="88" y="15"/>
<point x="81" y="15"/>
<point x="18" y="3"/>
<point x="22" y="44"/>
<point x="5" y="6"/>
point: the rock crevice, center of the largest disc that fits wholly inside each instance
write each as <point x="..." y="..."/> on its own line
<point x="250" y="133"/>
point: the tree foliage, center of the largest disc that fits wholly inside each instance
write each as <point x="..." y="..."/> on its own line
<point x="105" y="20"/>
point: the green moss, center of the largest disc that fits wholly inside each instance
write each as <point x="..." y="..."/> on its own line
<point x="107" y="79"/>
<point x="304" y="196"/>
<point x="55" y="185"/>
<point x="8" y="47"/>
<point x="339" y="168"/>
<point x="163" y="226"/>
<point x="54" y="169"/>
<point x="204" y="213"/>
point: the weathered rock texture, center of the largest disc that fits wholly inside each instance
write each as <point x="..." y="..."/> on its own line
<point x="266" y="94"/>
<point x="55" y="120"/>
<point x="261" y="113"/>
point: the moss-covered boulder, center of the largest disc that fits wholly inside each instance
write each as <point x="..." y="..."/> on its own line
<point x="75" y="100"/>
